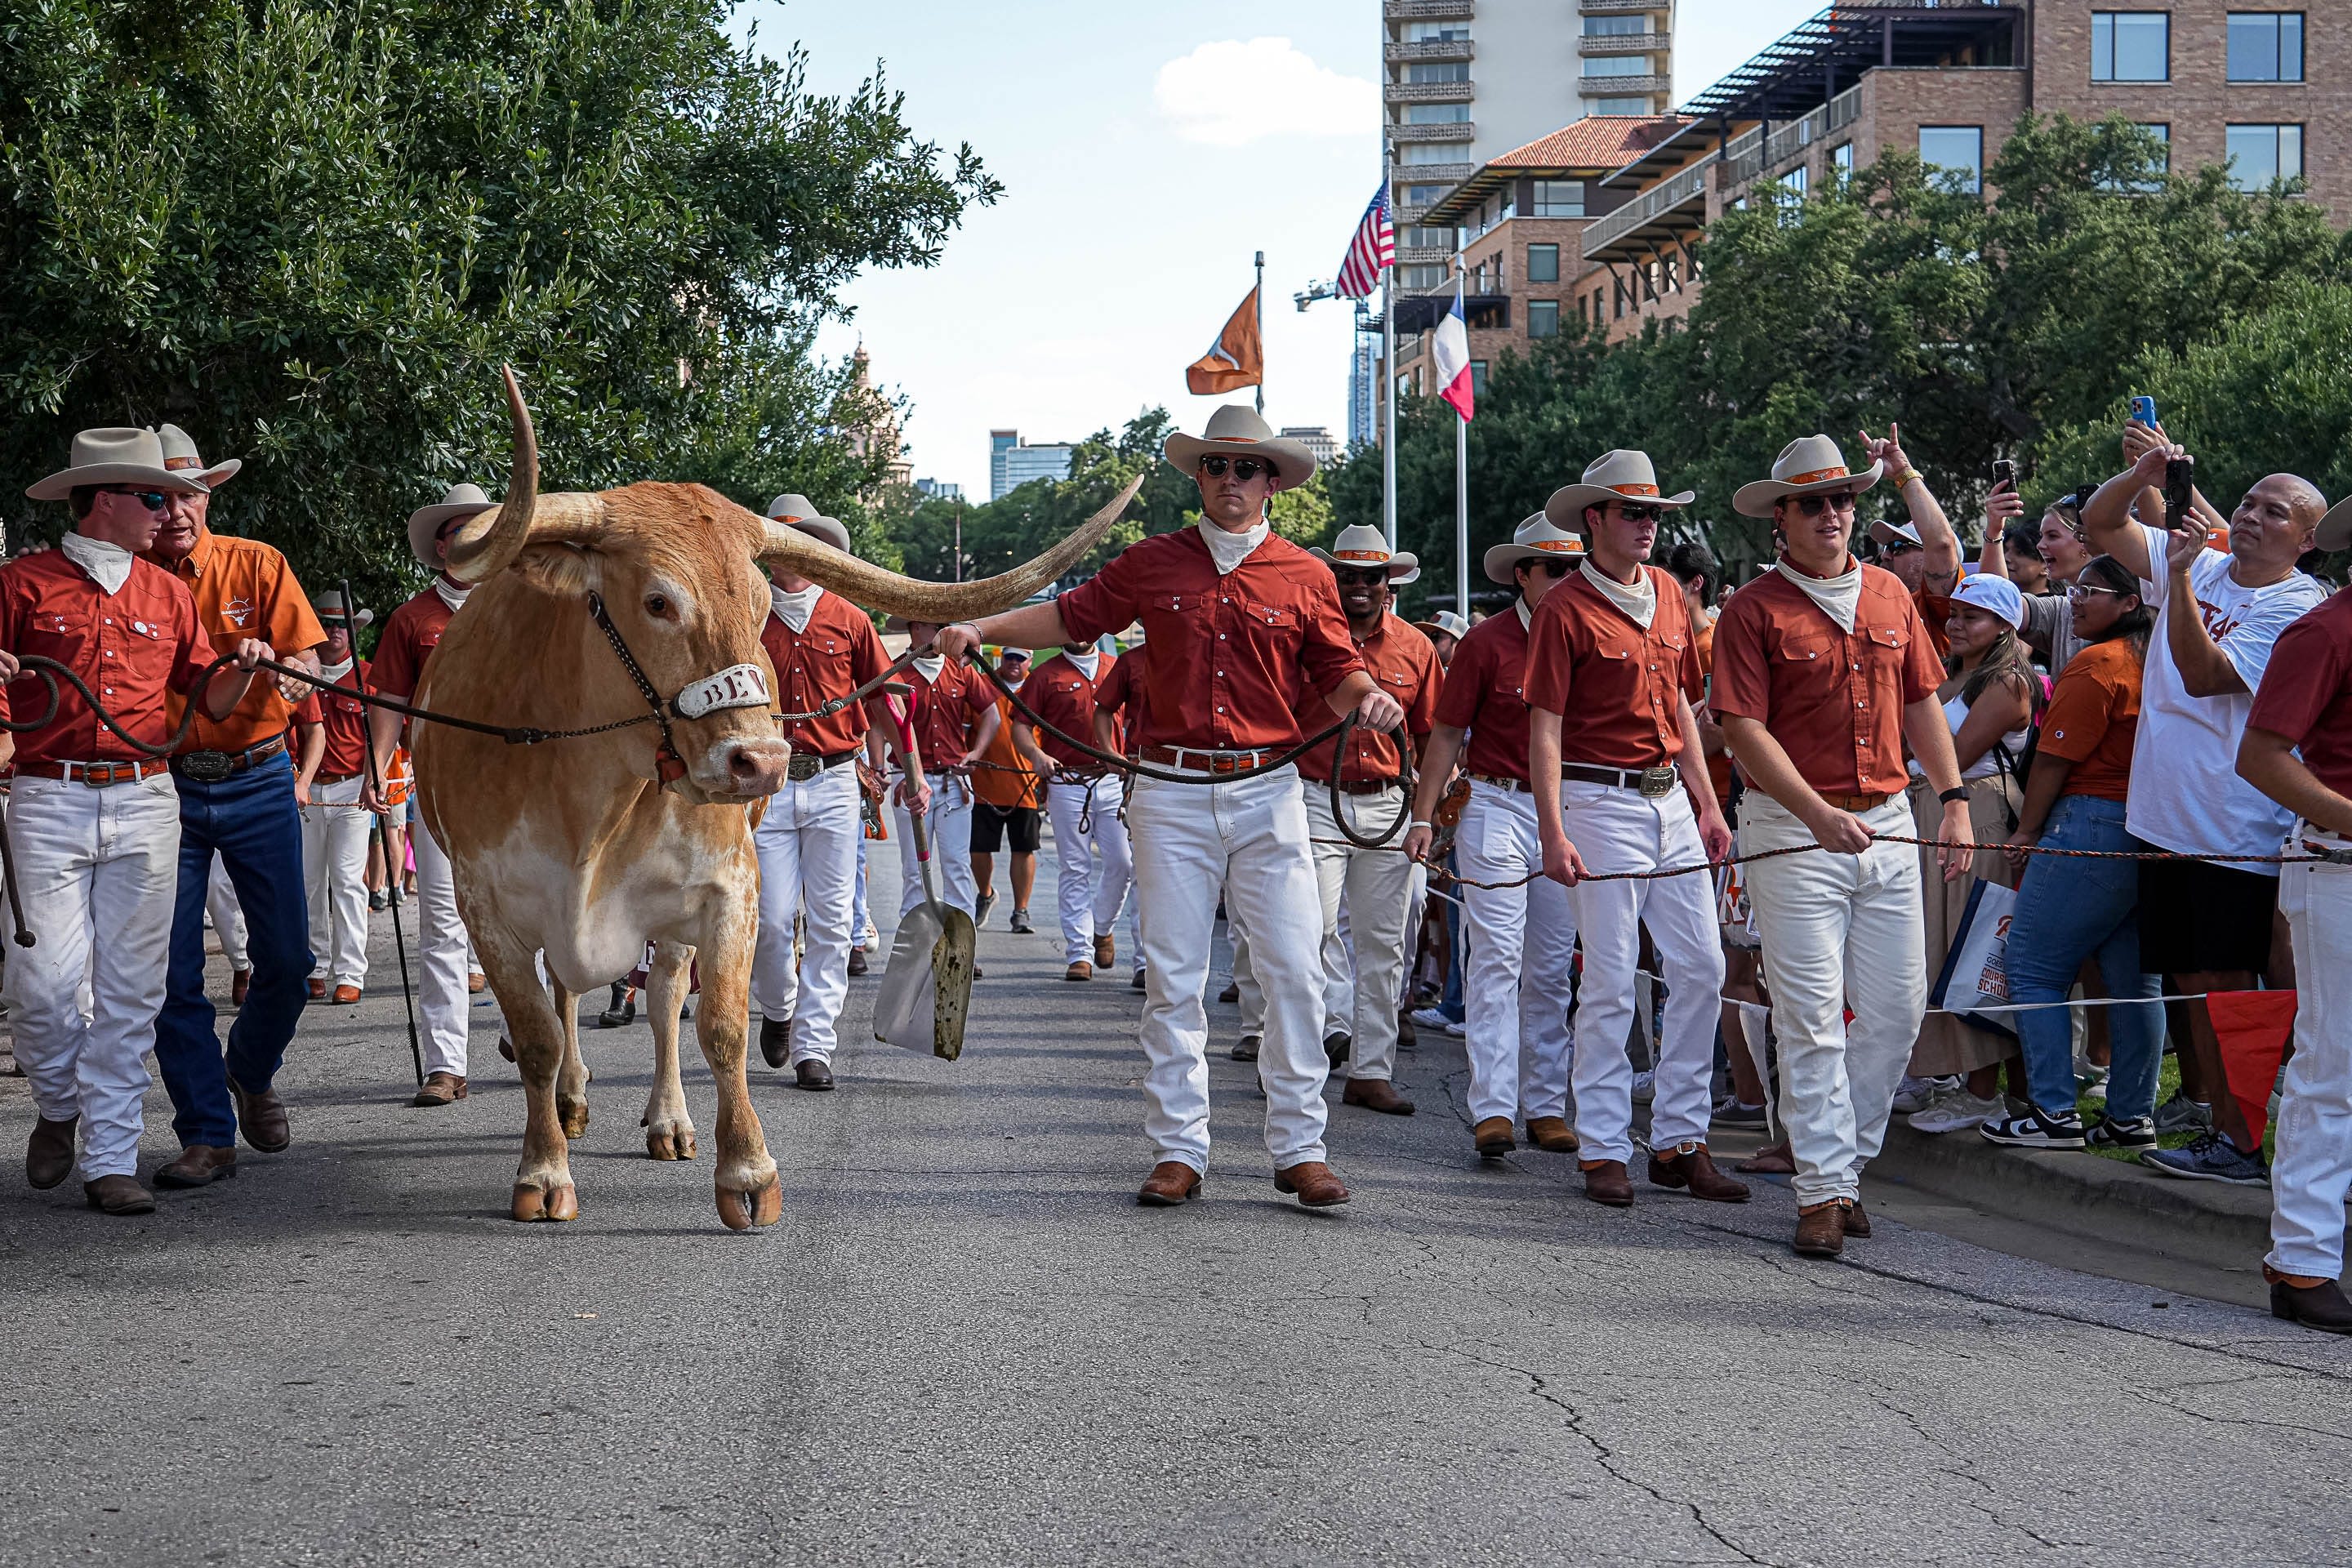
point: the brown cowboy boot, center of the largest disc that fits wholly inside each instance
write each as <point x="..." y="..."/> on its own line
<point x="1317" y="1185"/>
<point x="1821" y="1230"/>
<point x="1171" y="1183"/>
<point x="1605" y="1182"/>
<point x="1690" y="1165"/>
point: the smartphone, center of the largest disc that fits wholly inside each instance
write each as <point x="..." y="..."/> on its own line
<point x="2144" y="410"/>
<point x="2004" y="472"/>
<point x="2179" y="480"/>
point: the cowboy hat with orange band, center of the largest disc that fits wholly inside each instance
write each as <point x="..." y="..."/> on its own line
<point x="1811" y="466"/>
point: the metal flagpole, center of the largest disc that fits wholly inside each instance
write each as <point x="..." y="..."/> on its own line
<point x="1388" y="403"/>
<point x="1460" y="485"/>
<point x="1258" y="294"/>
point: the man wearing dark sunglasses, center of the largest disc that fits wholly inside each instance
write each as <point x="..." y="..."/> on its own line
<point x="1238" y="619"/>
<point x="129" y="630"/>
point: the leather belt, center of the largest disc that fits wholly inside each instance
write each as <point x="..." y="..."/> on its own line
<point x="333" y="778"/>
<point x="1499" y="782"/>
<point x="1353" y="786"/>
<point x="1207" y="762"/>
<point x="97" y="775"/>
<point x="803" y="766"/>
<point x="1651" y="782"/>
<point x="211" y="767"/>
<point x="1857" y="802"/>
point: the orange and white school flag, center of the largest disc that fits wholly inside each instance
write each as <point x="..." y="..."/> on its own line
<point x="1236" y="359"/>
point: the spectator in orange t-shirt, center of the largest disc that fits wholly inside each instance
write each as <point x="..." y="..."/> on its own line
<point x="1008" y="806"/>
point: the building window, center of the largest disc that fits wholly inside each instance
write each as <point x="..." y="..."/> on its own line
<point x="1431" y="153"/>
<point x="1477" y="378"/>
<point x="1614" y="26"/>
<point x="1841" y="159"/>
<point x="2260" y="155"/>
<point x="1794" y="181"/>
<point x="1439" y="70"/>
<point x="2131" y="45"/>
<point x="1427" y="236"/>
<point x="1423" y="195"/>
<point x="1621" y="106"/>
<point x="1559" y="198"/>
<point x="1421" y="276"/>
<point x="1618" y="65"/>
<point x="1437" y="114"/>
<point x="1543" y="263"/>
<point x="1543" y="318"/>
<point x="1954" y="155"/>
<point x="1437" y="32"/>
<point x="2265" y="45"/>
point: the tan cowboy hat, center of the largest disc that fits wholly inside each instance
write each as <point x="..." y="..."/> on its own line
<point x="329" y="606"/>
<point x="799" y="511"/>
<point x="1883" y="533"/>
<point x="1235" y="430"/>
<point x="1359" y="544"/>
<point x="180" y="456"/>
<point x="115" y="455"/>
<point x="2336" y="527"/>
<point x="425" y="523"/>
<point x="1443" y="624"/>
<point x="1621" y="474"/>
<point x="899" y="624"/>
<point x="1807" y="467"/>
<point x="1534" y="539"/>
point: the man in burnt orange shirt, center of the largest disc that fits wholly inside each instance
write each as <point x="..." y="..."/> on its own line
<point x="1083" y="800"/>
<point x="235" y="779"/>
<point x="1822" y="671"/>
<point x="955" y="719"/>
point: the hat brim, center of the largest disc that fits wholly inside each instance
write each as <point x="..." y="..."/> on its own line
<point x="61" y="485"/>
<point x="1755" y="499"/>
<point x="425" y="521"/>
<point x="2336" y="527"/>
<point x="328" y="618"/>
<point x="1884" y="533"/>
<point x="1404" y="566"/>
<point x="825" y="530"/>
<point x="1502" y="558"/>
<point x="900" y="624"/>
<point x="1292" y="464"/>
<point x="220" y="473"/>
<point x="1565" y="509"/>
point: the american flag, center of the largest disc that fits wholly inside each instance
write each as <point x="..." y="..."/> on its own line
<point x="1373" y="249"/>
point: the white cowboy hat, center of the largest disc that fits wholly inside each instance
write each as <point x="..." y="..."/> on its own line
<point x="180" y="456"/>
<point x="1534" y="539"/>
<point x="1883" y="533"/>
<point x="799" y="511"/>
<point x="1621" y="475"/>
<point x="330" y="608"/>
<point x="425" y="523"/>
<point x="1235" y="430"/>
<point x="115" y="455"/>
<point x="2336" y="527"/>
<point x="1444" y="623"/>
<point x="1805" y="467"/>
<point x="1359" y="544"/>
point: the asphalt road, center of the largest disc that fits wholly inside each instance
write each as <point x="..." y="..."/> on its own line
<point x="965" y="1342"/>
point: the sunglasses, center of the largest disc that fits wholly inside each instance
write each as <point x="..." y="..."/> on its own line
<point x="1245" y="468"/>
<point x="1360" y="576"/>
<point x="1813" y="506"/>
<point x="154" y="501"/>
<point x="2079" y="592"/>
<point x="1900" y="547"/>
<point x="1555" y="570"/>
<point x="1631" y="513"/>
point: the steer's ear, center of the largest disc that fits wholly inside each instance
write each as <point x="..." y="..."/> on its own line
<point x="568" y="570"/>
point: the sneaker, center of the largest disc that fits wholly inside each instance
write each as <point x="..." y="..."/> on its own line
<point x="1914" y="1093"/>
<point x="2182" y="1114"/>
<point x="375" y="900"/>
<point x="979" y="910"/>
<point x="1137" y="984"/>
<point x="2091" y="1080"/>
<point x="1955" y="1111"/>
<point x="1646" y="1087"/>
<point x="2139" y="1132"/>
<point x="1433" y="1018"/>
<point x="1020" y="926"/>
<point x="2035" y="1130"/>
<point x="2211" y="1158"/>
<point x="1731" y="1112"/>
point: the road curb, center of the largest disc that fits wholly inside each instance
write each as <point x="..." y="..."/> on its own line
<point x="2080" y="1193"/>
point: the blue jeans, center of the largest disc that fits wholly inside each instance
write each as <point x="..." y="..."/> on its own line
<point x="251" y="821"/>
<point x="1450" y="1003"/>
<point x="2068" y="911"/>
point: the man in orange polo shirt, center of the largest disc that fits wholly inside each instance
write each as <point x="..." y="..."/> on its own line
<point x="235" y="779"/>
<point x="1822" y="671"/>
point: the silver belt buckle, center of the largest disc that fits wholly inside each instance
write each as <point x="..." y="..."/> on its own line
<point x="1656" y="782"/>
<point x="207" y="767"/>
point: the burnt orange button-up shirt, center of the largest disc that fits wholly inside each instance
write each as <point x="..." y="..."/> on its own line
<point x="1486" y="693"/>
<point x="837" y="653"/>
<point x="1616" y="687"/>
<point x="1405" y="664"/>
<point x="1834" y="700"/>
<point x="947" y="712"/>
<point x="1063" y="696"/>
<point x="1228" y="650"/>
<point x="137" y="648"/>
<point x="244" y="588"/>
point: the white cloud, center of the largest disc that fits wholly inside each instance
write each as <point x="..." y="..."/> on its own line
<point x="1231" y="93"/>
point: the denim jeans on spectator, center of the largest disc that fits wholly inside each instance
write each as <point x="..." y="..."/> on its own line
<point x="2068" y="911"/>
<point x="1450" y="1003"/>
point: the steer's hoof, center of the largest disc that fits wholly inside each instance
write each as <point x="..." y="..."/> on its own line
<point x="670" y="1143"/>
<point x="573" y="1114"/>
<point x="751" y="1210"/>
<point x="545" y="1203"/>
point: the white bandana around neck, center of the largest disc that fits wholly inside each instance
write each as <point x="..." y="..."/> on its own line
<point x="336" y="671"/>
<point x="1638" y="599"/>
<point x="107" y="564"/>
<point x="1526" y="619"/>
<point x="794" y="609"/>
<point x="1229" y="549"/>
<point x="928" y="665"/>
<point x="1088" y="662"/>
<point x="455" y="597"/>
<point x="1839" y="597"/>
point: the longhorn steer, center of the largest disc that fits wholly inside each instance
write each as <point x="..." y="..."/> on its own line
<point x="578" y="848"/>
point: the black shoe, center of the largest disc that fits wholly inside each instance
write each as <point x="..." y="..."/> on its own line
<point x="856" y="960"/>
<point x="1338" y="1046"/>
<point x="2036" y="1130"/>
<point x="623" y="1009"/>
<point x="375" y="900"/>
<point x="775" y="1041"/>
<point x="2139" y="1133"/>
<point x="1245" y="1048"/>
<point x="1137" y="984"/>
<point x="811" y="1074"/>
<point x="2322" y="1306"/>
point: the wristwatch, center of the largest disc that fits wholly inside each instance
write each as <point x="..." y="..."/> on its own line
<point x="1952" y="797"/>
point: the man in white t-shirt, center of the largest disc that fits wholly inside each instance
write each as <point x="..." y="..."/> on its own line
<point x="2207" y="925"/>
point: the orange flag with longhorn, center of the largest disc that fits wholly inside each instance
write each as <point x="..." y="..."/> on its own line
<point x="1236" y="359"/>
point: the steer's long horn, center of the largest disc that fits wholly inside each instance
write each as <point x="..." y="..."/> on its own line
<point x="488" y="544"/>
<point x="866" y="585"/>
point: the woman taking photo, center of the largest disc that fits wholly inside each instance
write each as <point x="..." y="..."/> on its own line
<point x="1989" y="699"/>
<point x="2070" y="909"/>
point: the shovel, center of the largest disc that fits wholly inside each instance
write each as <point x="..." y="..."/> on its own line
<point x="927" y="989"/>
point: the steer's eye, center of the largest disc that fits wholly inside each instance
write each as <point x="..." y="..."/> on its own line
<point x="656" y="604"/>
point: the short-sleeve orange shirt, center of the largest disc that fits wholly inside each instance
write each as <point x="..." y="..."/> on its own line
<point x="244" y="588"/>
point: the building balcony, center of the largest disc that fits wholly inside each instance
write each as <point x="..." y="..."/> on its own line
<point x="1431" y="49"/>
<point x="1460" y="131"/>
<point x="1624" y="43"/>
<point x="1751" y="155"/>
<point x="1671" y="210"/>
<point x="1446" y="174"/>
<point x="1423" y="256"/>
<point x="1620" y="86"/>
<point x="1427" y="10"/>
<point x="1618" y="7"/>
<point x="1427" y="92"/>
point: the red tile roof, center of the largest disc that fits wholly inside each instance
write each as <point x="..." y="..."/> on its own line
<point x="1596" y="141"/>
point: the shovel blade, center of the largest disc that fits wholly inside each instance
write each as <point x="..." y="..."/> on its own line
<point x="951" y="964"/>
<point x="904" y="1008"/>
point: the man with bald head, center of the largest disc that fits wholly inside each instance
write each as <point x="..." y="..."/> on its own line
<point x="2207" y="925"/>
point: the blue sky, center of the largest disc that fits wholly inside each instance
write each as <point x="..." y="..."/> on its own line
<point x="1147" y="150"/>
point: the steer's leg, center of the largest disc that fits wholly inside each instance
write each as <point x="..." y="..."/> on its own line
<point x="749" y="1192"/>
<point x="571" y="1077"/>
<point x="669" y="1132"/>
<point x="542" y="1188"/>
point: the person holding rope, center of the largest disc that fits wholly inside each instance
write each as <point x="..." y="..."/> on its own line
<point x="954" y="714"/>
<point x="93" y="819"/>
<point x="1823" y="669"/>
<point x="336" y="826"/>
<point x="1522" y="937"/>
<point x="1376" y="886"/>
<point x="1118" y="721"/>
<point x="1237" y="618"/>
<point x="1621" y="785"/>
<point x="1005" y="817"/>
<point x="1085" y="801"/>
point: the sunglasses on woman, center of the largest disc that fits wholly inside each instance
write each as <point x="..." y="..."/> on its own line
<point x="1813" y="506"/>
<point x="154" y="501"/>
<point x="1245" y="468"/>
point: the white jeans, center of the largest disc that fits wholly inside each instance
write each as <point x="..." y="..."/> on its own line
<point x="2312" y="1170"/>
<point x="227" y="916"/>
<point x="1619" y="829"/>
<point x="335" y="830"/>
<point x="99" y="873"/>
<point x="1839" y="930"/>
<point x="949" y="826"/>
<point x="1249" y="838"/>
<point x="1517" y="986"/>
<point x="1372" y="888"/>
<point x="1090" y="889"/>
<point x="807" y="844"/>
<point x="444" y="1009"/>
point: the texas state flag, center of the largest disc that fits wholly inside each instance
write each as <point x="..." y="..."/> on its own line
<point x="1452" y="352"/>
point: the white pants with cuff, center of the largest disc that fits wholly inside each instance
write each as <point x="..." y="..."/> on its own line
<point x="2312" y="1168"/>
<point x="335" y="833"/>
<point x="807" y="843"/>
<point x="1839" y="930"/>
<point x="1096" y="866"/>
<point x="1373" y="889"/>
<point x="1522" y="960"/>
<point x="1249" y="838"/>
<point x="445" y="1009"/>
<point x="97" y="871"/>
<point x="1618" y="829"/>
<point x="949" y="824"/>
